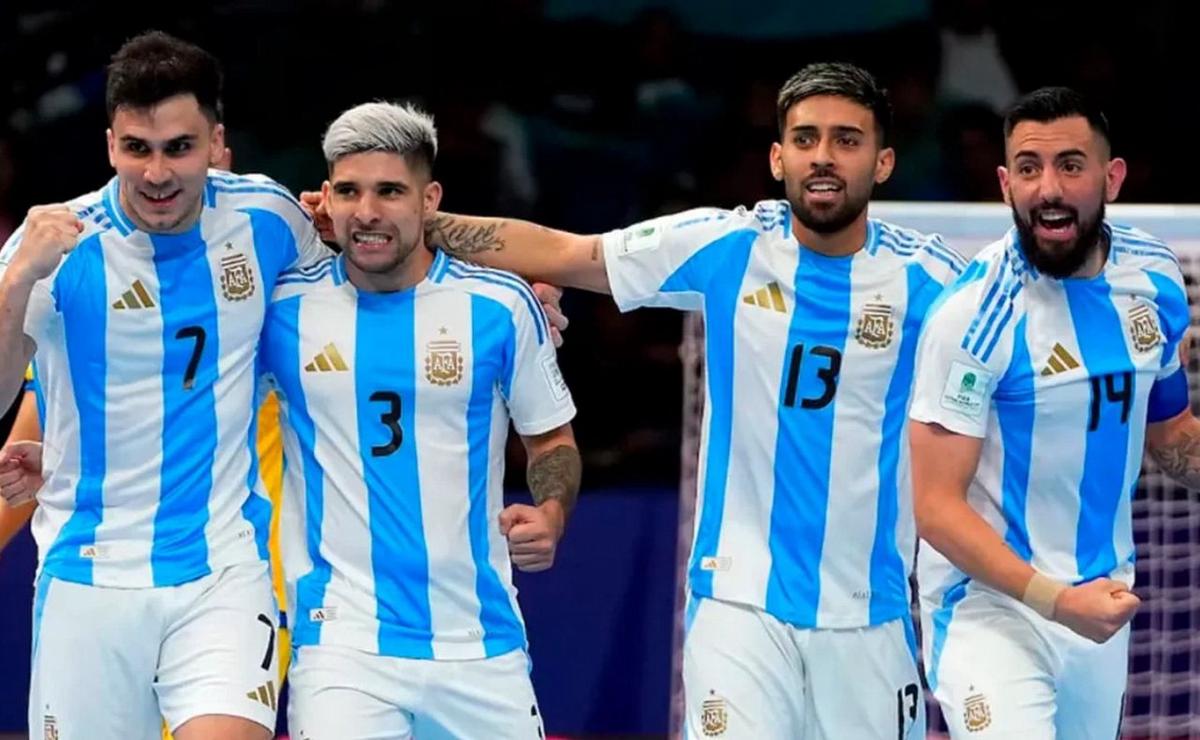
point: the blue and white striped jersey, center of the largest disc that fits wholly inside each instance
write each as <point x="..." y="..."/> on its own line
<point x="396" y="410"/>
<point x="804" y="505"/>
<point x="1056" y="377"/>
<point x="146" y="347"/>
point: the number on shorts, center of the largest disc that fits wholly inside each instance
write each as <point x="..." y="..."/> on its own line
<point x="266" y="662"/>
<point x="906" y="706"/>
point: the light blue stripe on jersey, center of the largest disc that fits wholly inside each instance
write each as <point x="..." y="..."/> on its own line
<point x="889" y="581"/>
<point x="84" y="306"/>
<point x="1101" y="337"/>
<point x="310" y="587"/>
<point x="39" y="396"/>
<point x="284" y="195"/>
<point x="179" y="552"/>
<point x="941" y="625"/>
<point x="1015" y="413"/>
<point x="41" y="591"/>
<point x="399" y="555"/>
<point x="257" y="510"/>
<point x="1173" y="309"/>
<point x="274" y="241"/>
<point x="501" y="629"/>
<point x="804" y="445"/>
<point x="111" y="200"/>
<point x="496" y="277"/>
<point x="731" y="254"/>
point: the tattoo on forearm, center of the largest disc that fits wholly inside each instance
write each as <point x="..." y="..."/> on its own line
<point x="556" y="474"/>
<point x="462" y="239"/>
<point x="596" y="244"/>
<point x="1181" y="459"/>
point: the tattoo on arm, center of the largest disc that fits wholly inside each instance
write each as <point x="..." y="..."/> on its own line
<point x="556" y="474"/>
<point x="463" y="239"/>
<point x="1180" y="459"/>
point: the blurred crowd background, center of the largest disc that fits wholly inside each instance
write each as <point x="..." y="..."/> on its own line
<point x="592" y="114"/>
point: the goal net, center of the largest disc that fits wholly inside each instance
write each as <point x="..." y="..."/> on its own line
<point x="1163" y="696"/>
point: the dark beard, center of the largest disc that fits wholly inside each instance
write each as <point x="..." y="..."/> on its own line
<point x="829" y="221"/>
<point x="1059" y="264"/>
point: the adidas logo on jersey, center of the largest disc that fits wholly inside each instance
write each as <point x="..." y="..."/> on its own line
<point x="327" y="360"/>
<point x="1060" y="361"/>
<point x="264" y="695"/>
<point x="134" y="298"/>
<point x="768" y="296"/>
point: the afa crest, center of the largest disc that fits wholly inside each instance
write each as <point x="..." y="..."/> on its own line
<point x="237" y="279"/>
<point x="50" y="728"/>
<point x="1143" y="328"/>
<point x="714" y="719"/>
<point x="443" y="362"/>
<point x="875" y="327"/>
<point x="977" y="715"/>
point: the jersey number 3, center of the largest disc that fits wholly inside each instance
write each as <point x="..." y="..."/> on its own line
<point x="390" y="419"/>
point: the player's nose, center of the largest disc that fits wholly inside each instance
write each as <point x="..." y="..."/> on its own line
<point x="1049" y="185"/>
<point x="367" y="209"/>
<point x="158" y="172"/>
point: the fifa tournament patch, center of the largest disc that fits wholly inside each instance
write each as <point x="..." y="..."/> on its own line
<point x="966" y="389"/>
<point x="640" y="238"/>
<point x="554" y="378"/>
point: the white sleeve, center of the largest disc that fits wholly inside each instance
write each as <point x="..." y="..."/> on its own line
<point x="1174" y="316"/>
<point x="669" y="261"/>
<point x="952" y="387"/>
<point x="537" y="395"/>
<point x="310" y="250"/>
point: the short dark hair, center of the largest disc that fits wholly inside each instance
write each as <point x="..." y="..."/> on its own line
<point x="154" y="66"/>
<point x="1048" y="104"/>
<point x="837" y="78"/>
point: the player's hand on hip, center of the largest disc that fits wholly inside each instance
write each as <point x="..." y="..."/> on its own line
<point x="1097" y="609"/>
<point x="20" y="472"/>
<point x="51" y="232"/>
<point x="313" y="202"/>
<point x="533" y="533"/>
<point x="551" y="298"/>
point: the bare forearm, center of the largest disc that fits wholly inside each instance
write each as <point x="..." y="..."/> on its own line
<point x="1178" y="454"/>
<point x="15" y="347"/>
<point x="555" y="475"/>
<point x="961" y="534"/>
<point x="532" y="251"/>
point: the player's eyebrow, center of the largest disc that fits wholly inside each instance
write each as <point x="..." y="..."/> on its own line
<point x="181" y="139"/>
<point x="839" y="129"/>
<point x="1059" y="156"/>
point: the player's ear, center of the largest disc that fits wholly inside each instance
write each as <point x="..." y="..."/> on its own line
<point x="1002" y="175"/>
<point x="432" y="197"/>
<point x="1113" y="178"/>
<point x="216" y="142"/>
<point x="112" y="147"/>
<point x="885" y="162"/>
<point x="776" y="161"/>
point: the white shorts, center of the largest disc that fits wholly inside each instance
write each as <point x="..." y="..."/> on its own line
<point x="999" y="670"/>
<point x="339" y="692"/>
<point x="111" y="663"/>
<point x="748" y="675"/>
